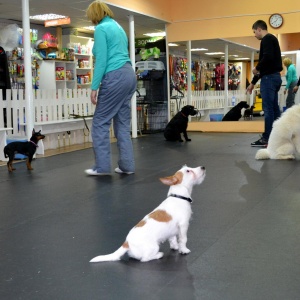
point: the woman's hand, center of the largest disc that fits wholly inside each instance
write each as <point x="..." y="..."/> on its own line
<point x="284" y="92"/>
<point x="295" y="89"/>
<point x="94" y="97"/>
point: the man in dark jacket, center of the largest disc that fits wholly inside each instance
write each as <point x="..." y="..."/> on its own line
<point x="268" y="70"/>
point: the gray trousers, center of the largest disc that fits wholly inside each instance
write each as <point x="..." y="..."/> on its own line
<point x="114" y="103"/>
<point x="290" y="99"/>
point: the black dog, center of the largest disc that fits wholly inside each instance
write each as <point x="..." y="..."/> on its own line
<point x="248" y="114"/>
<point x="26" y="148"/>
<point x="179" y="123"/>
<point x="236" y="112"/>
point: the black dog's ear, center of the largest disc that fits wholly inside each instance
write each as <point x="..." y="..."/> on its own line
<point x="33" y="131"/>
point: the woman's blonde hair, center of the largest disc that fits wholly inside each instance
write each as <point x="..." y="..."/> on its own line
<point x="97" y="10"/>
<point x="287" y="61"/>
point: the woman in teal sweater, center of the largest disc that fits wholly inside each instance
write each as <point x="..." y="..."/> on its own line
<point x="113" y="85"/>
<point x="291" y="82"/>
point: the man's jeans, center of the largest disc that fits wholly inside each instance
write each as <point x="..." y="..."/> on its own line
<point x="269" y="87"/>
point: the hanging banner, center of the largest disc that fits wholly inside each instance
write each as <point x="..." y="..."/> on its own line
<point x="57" y="22"/>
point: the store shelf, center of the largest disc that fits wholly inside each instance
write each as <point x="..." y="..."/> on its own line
<point x="83" y="61"/>
<point x="50" y="69"/>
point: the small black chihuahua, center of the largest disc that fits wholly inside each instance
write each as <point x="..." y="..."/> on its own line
<point x="25" y="148"/>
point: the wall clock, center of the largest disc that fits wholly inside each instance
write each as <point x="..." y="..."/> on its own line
<point x="276" y="20"/>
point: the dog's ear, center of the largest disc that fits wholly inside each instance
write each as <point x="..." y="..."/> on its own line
<point x="33" y="131"/>
<point x="172" y="180"/>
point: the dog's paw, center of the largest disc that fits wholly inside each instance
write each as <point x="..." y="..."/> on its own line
<point x="188" y="140"/>
<point x="174" y="247"/>
<point x="184" y="250"/>
<point x="180" y="141"/>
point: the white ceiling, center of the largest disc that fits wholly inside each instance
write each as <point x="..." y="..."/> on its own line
<point x="12" y="10"/>
<point x="235" y="51"/>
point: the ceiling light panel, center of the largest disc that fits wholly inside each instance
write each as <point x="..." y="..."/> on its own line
<point x="47" y="17"/>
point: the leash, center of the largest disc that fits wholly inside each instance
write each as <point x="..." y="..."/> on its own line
<point x="181" y="197"/>
<point x="33" y="143"/>
<point x="75" y="116"/>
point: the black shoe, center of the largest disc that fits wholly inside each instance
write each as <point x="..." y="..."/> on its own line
<point x="259" y="143"/>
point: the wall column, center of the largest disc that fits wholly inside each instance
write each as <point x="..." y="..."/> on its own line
<point x="132" y="57"/>
<point x="27" y="67"/>
<point x="226" y="75"/>
<point x="189" y="72"/>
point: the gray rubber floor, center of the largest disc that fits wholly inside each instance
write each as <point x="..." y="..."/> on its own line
<point x="244" y="235"/>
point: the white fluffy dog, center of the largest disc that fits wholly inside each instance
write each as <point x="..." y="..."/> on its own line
<point x="284" y="141"/>
<point x="169" y="221"/>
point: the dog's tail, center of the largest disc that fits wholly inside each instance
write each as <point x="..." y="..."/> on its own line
<point x="5" y="154"/>
<point x="113" y="256"/>
<point x="262" y="154"/>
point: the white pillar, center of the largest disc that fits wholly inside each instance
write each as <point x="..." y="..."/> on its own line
<point x="226" y="75"/>
<point x="168" y="74"/>
<point x="132" y="57"/>
<point x="27" y="67"/>
<point x="189" y="72"/>
<point x="252" y="66"/>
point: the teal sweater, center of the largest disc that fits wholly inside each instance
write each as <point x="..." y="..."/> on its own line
<point x="110" y="49"/>
<point x="291" y="76"/>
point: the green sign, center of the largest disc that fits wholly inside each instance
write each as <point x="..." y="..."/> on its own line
<point x="140" y="43"/>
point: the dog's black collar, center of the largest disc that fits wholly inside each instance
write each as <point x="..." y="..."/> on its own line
<point x="181" y="197"/>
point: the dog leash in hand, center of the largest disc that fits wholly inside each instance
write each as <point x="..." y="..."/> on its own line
<point x="75" y="116"/>
<point x="181" y="197"/>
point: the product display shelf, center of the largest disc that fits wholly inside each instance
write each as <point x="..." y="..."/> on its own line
<point x="57" y="74"/>
<point x="83" y="58"/>
<point x="17" y="72"/>
<point x="83" y="69"/>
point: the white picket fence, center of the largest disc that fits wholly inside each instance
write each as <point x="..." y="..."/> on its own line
<point x="53" y="111"/>
<point x="214" y="102"/>
<point x="210" y="102"/>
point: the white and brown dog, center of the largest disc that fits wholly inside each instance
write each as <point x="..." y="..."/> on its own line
<point x="169" y="221"/>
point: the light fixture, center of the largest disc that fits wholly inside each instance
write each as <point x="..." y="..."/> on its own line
<point x="173" y="45"/>
<point x="233" y="55"/>
<point x="91" y="28"/>
<point x="46" y="17"/>
<point x="214" y="53"/>
<point x="199" y="49"/>
<point x="153" y="34"/>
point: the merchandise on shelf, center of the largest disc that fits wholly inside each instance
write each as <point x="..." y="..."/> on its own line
<point x="83" y="63"/>
<point x="68" y="54"/>
<point x="60" y="73"/>
<point x="83" y="79"/>
<point x="80" y="49"/>
<point x="16" y="69"/>
<point x="50" y="40"/>
<point x="69" y="75"/>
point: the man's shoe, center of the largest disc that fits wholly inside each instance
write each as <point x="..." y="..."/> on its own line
<point x="260" y="143"/>
<point x="94" y="172"/>
<point x="119" y="171"/>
